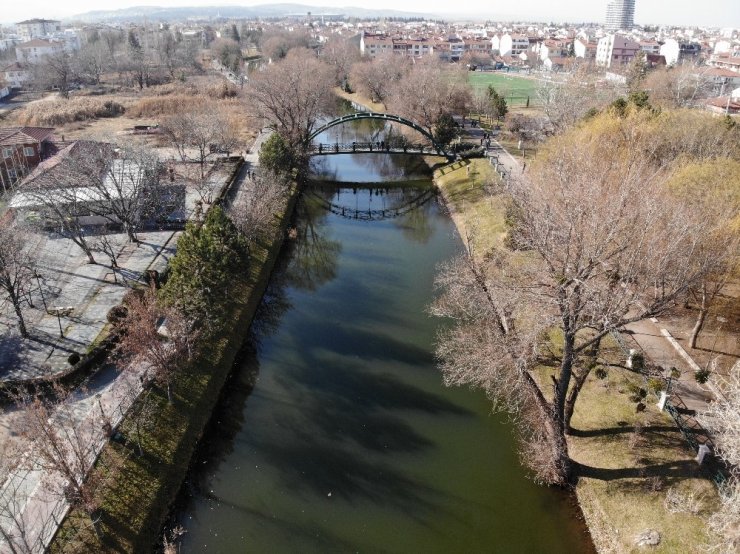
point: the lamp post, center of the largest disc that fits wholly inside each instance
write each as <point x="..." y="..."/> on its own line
<point x="37" y="275"/>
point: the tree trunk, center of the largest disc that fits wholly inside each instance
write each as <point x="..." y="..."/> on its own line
<point x="169" y="393"/>
<point x="570" y="402"/>
<point x="131" y="234"/>
<point x="703" y="309"/>
<point x="19" y="313"/>
<point x="563" y="382"/>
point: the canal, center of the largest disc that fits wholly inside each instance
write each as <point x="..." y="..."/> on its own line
<point x="335" y="432"/>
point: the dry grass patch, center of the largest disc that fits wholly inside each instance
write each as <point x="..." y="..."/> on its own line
<point x="59" y="112"/>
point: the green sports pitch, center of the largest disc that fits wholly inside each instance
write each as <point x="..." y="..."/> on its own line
<point x="516" y="89"/>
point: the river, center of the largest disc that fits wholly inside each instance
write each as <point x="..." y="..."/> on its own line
<point x="335" y="432"/>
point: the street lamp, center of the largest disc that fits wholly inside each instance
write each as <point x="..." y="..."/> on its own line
<point x="37" y="275"/>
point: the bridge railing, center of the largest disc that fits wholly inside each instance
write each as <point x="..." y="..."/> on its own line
<point x="376" y="146"/>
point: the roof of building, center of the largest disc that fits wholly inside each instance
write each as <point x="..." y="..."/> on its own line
<point x="10" y="136"/>
<point x="39" y="43"/>
<point x="15" y="66"/>
<point x="52" y="171"/>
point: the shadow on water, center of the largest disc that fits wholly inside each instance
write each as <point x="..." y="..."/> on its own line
<point x="334" y="433"/>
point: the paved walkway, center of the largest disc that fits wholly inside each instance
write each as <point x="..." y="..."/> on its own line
<point x="31" y="506"/>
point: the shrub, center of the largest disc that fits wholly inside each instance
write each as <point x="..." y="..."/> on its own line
<point x="656" y="385"/>
<point x="702" y="376"/>
<point x="117" y="314"/>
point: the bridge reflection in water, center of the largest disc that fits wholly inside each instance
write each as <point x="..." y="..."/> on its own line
<point x="406" y="206"/>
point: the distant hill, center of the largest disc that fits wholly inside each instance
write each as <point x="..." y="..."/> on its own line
<point x="213" y="12"/>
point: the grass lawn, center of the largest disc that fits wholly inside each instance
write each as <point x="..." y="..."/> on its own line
<point x="515" y="89"/>
<point x="471" y="207"/>
<point x="624" y="476"/>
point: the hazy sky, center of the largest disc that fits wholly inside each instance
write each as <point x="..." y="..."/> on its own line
<point x="719" y="13"/>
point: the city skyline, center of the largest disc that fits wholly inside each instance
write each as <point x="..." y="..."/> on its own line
<point x="713" y="13"/>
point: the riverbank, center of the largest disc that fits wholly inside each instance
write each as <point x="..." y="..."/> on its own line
<point x="629" y="461"/>
<point x="135" y="503"/>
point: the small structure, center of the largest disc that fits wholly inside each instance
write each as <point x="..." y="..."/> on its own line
<point x="21" y="150"/>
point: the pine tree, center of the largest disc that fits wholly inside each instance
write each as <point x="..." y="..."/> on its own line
<point x="209" y="258"/>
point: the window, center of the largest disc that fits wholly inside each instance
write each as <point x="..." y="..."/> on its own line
<point x="11" y="173"/>
<point x="28" y="151"/>
<point x="7" y="152"/>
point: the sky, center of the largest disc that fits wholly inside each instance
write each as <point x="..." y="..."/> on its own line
<point x="716" y="13"/>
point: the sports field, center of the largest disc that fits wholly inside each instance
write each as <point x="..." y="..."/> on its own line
<point x="515" y="89"/>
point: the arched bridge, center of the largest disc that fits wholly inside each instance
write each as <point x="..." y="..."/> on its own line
<point x="380" y="147"/>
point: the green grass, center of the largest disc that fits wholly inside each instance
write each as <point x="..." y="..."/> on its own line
<point x="471" y="207"/>
<point x="136" y="497"/>
<point x="515" y="89"/>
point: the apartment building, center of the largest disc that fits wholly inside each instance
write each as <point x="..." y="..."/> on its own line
<point x="34" y="28"/>
<point x="615" y="50"/>
<point x="513" y="44"/>
<point x="33" y="50"/>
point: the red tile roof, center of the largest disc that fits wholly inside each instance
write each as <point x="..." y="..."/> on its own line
<point x="10" y="136"/>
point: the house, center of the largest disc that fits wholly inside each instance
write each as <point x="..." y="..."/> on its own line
<point x="615" y="50"/>
<point x="36" y="49"/>
<point x="585" y="49"/>
<point x="21" y="150"/>
<point x="16" y="74"/>
<point x="721" y="80"/>
<point x="513" y="44"/>
<point x="552" y="48"/>
<point x="33" y="28"/>
<point x="649" y="47"/>
<point x="85" y="177"/>
<point x="558" y="63"/>
<point x="731" y="63"/>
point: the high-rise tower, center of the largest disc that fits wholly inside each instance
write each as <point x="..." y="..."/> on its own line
<point x="620" y="14"/>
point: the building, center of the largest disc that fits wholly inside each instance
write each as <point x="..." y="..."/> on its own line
<point x="513" y="44"/>
<point x="33" y="50"/>
<point x="614" y="50"/>
<point x="21" y="150"/>
<point x="34" y="28"/>
<point x="16" y="74"/>
<point x="649" y="47"/>
<point x="620" y="15"/>
<point x="584" y="49"/>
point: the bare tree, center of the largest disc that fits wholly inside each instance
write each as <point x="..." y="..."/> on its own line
<point x="712" y="190"/>
<point x="121" y="182"/>
<point x="597" y="246"/>
<point x="159" y="336"/>
<point x="66" y="447"/>
<point x="341" y="54"/>
<point x="375" y="78"/>
<point x="255" y="210"/>
<point x="94" y="59"/>
<point x="431" y="90"/>
<point x="565" y="102"/>
<point x="293" y="95"/>
<point x="56" y="71"/>
<point x="200" y="134"/>
<point x="679" y="86"/>
<point x="723" y="419"/>
<point x="15" y="270"/>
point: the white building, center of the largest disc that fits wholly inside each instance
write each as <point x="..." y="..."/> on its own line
<point x="16" y="74"/>
<point x="513" y="44"/>
<point x="32" y="51"/>
<point x="33" y="28"/>
<point x="670" y="50"/>
<point x="614" y="50"/>
<point x="584" y="49"/>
